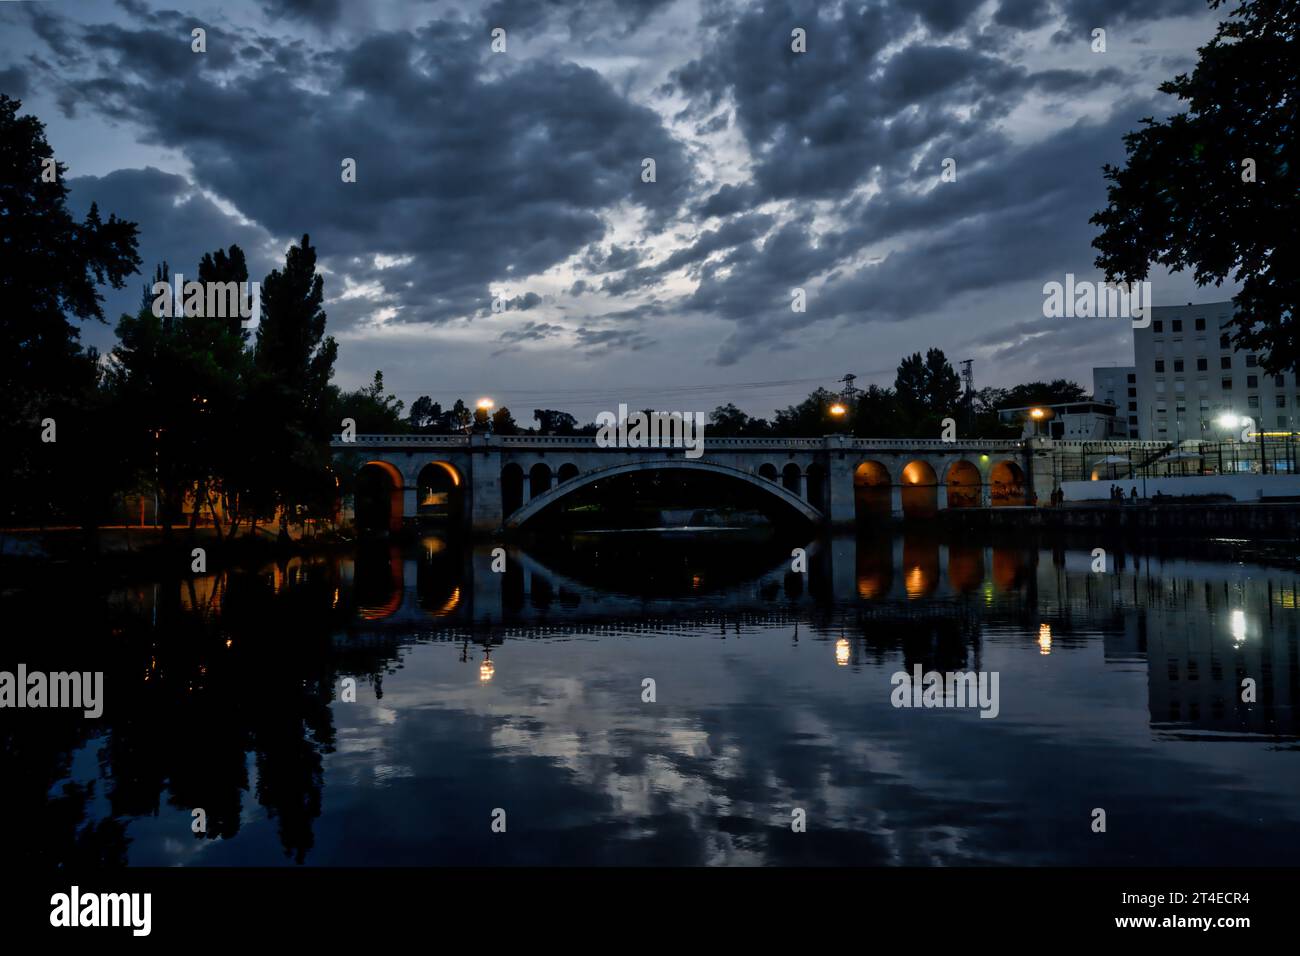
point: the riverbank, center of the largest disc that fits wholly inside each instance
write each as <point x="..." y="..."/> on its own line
<point x="1280" y="520"/>
<point x="123" y="553"/>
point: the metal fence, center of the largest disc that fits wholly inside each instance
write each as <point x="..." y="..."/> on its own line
<point x="1267" y="455"/>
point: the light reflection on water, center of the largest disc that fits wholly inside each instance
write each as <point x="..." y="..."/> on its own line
<point x="524" y="690"/>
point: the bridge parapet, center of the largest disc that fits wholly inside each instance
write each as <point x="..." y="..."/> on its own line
<point x="588" y="443"/>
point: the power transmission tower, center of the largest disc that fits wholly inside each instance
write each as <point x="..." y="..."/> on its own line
<point x="968" y="393"/>
<point x="849" y="392"/>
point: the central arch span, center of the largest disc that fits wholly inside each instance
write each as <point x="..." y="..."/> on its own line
<point x="541" y="501"/>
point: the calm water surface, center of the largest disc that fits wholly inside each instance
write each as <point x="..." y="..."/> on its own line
<point x="522" y="691"/>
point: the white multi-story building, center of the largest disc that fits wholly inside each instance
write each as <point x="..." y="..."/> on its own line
<point x="1117" y="384"/>
<point x="1188" y="377"/>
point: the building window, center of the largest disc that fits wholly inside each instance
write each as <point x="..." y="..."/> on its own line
<point x="1178" y="365"/>
<point x="1225" y="361"/>
<point x="1178" y="325"/>
<point x="1132" y="393"/>
<point x="1226" y="384"/>
<point x="1159" y="325"/>
<point x="1252" y="361"/>
<point x="1132" y="378"/>
<point x="1252" y="381"/>
<point x="1200" y="325"/>
<point x="1252" y="401"/>
<point x="1224" y="342"/>
<point x="1133" y="420"/>
<point x="1160" y="365"/>
<point x="1281" y="401"/>
<point x="1132" y="406"/>
<point x="1202" y="364"/>
<point x="1280" y="381"/>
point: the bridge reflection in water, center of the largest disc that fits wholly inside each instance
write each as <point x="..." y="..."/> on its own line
<point x="628" y="583"/>
<point x="1119" y="689"/>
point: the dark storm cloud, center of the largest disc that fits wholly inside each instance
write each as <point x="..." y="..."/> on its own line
<point x="1023" y="14"/>
<point x="942" y="16"/>
<point x="319" y="13"/>
<point x="596" y="341"/>
<point x="531" y="331"/>
<point x="522" y="303"/>
<point x="1086" y="15"/>
<point x="582" y="20"/>
<point x="616" y="259"/>
<point x="479" y="168"/>
<point x="477" y="172"/>
<point x="999" y="223"/>
<point x="826" y="121"/>
<point x="13" y="81"/>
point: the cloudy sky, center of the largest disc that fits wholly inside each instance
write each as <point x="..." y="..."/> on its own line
<point x="518" y="175"/>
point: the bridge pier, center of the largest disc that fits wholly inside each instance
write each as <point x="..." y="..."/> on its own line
<point x="484" y="479"/>
<point x="896" y="501"/>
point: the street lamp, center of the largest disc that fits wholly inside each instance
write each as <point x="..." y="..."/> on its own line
<point x="486" y="404"/>
<point x="1038" y="415"/>
<point x="838" y="409"/>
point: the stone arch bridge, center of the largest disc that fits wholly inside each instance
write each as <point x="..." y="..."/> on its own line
<point x="499" y="482"/>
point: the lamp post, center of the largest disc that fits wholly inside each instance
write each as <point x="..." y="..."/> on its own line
<point x="1038" y="415"/>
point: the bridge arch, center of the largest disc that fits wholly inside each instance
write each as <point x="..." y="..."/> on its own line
<point x="568" y="471"/>
<point x="768" y="470"/>
<point x="1006" y="484"/>
<point x="439" y="491"/>
<point x="539" y="480"/>
<point x="512" y="488"/>
<point x="871" y="490"/>
<point x="377" y="503"/>
<point x="792" y="478"/>
<point x="920" y="487"/>
<point x="962" y="481"/>
<point x="541" y="501"/>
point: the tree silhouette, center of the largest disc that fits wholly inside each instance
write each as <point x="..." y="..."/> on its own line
<point x="1185" y="198"/>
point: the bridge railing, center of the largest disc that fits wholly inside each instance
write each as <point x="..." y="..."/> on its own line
<point x="589" y="441"/>
<point x="411" y="441"/>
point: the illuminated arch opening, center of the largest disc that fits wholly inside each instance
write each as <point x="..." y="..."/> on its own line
<point x="1006" y="484"/>
<point x="963" y="484"/>
<point x="378" y="499"/>
<point x="920" y="490"/>
<point x="871" y="486"/>
<point x="439" y="492"/>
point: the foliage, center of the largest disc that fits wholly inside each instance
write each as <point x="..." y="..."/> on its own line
<point x="1182" y="201"/>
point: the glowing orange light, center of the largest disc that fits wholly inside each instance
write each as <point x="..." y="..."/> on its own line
<point x="486" y="670"/>
<point x="486" y="404"/>
<point x="838" y="409"/>
<point x="1045" y="638"/>
<point x="842" y="652"/>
